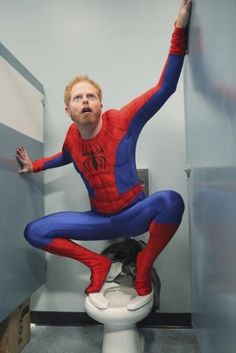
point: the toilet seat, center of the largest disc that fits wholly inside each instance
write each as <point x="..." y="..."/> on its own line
<point x="139" y="301"/>
<point x="115" y="295"/>
<point x="98" y="299"/>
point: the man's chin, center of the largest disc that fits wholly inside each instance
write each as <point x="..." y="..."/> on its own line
<point x="86" y="119"/>
<point x="87" y="123"/>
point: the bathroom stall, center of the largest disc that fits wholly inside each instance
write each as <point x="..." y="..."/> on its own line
<point x="210" y="104"/>
<point x="22" y="268"/>
<point x="210" y="109"/>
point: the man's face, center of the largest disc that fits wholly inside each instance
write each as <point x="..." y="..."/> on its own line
<point x="84" y="106"/>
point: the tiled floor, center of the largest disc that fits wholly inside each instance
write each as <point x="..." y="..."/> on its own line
<point x="88" y="339"/>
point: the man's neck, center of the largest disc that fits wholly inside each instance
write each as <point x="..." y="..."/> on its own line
<point x="88" y="132"/>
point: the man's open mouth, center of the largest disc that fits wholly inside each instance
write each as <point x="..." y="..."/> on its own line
<point x="86" y="110"/>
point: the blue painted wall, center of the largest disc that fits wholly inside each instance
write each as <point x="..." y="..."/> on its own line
<point x="210" y="103"/>
<point x="22" y="268"/>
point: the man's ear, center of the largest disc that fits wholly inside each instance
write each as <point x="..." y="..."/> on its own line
<point x="67" y="110"/>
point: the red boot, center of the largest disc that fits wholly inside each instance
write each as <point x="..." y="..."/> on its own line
<point x="98" y="264"/>
<point x="160" y="235"/>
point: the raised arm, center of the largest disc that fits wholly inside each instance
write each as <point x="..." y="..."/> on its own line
<point x="142" y="108"/>
<point x="28" y="166"/>
<point x="183" y="17"/>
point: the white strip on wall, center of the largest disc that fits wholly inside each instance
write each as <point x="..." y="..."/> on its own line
<point x="21" y="106"/>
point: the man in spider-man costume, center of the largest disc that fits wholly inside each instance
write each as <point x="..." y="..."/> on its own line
<point x="102" y="148"/>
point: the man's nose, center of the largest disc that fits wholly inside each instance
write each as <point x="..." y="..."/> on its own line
<point x="85" y="99"/>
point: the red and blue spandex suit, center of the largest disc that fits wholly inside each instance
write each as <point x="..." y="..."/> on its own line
<point x="119" y="208"/>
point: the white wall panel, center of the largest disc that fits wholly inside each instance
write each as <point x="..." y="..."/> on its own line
<point x="21" y="107"/>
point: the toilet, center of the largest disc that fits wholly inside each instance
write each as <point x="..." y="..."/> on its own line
<point x="118" y="307"/>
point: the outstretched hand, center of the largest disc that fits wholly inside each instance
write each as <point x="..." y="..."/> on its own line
<point x="24" y="159"/>
<point x="184" y="14"/>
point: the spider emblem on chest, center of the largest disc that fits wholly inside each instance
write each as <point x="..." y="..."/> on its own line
<point x="95" y="158"/>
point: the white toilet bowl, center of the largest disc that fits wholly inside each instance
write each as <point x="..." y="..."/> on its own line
<point x="118" y="307"/>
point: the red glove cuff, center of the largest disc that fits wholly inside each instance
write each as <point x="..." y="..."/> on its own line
<point x="179" y="41"/>
<point x="37" y="165"/>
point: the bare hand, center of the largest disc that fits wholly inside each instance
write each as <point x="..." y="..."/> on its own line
<point x="184" y="14"/>
<point x="24" y="159"/>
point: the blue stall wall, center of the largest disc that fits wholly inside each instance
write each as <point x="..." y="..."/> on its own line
<point x="210" y="103"/>
<point x="22" y="267"/>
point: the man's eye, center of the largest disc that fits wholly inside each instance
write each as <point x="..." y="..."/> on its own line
<point x="77" y="98"/>
<point x="91" y="96"/>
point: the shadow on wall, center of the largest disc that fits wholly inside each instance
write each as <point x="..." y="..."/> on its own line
<point x="217" y="92"/>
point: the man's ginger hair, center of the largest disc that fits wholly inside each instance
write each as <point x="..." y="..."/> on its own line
<point x="77" y="79"/>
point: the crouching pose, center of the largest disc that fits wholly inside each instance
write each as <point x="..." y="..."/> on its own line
<point x="101" y="146"/>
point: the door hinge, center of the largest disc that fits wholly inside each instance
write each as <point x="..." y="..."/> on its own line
<point x="188" y="170"/>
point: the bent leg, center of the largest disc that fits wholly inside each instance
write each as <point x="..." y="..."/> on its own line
<point x="72" y="225"/>
<point x="99" y="265"/>
<point x="52" y="234"/>
<point x="162" y="228"/>
<point x="161" y="214"/>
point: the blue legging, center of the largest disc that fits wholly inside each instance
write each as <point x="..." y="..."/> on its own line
<point x="164" y="207"/>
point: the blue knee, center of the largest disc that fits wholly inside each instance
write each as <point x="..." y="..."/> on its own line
<point x="33" y="234"/>
<point x="173" y="208"/>
<point x="177" y="201"/>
